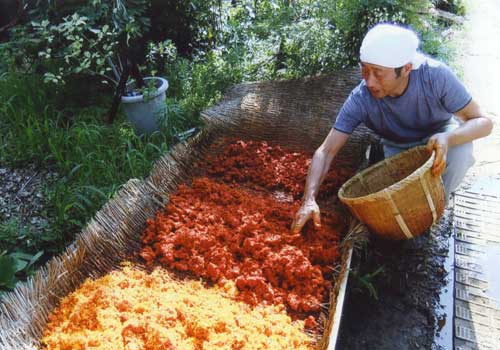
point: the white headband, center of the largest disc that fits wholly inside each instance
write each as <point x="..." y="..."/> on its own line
<point x="390" y="45"/>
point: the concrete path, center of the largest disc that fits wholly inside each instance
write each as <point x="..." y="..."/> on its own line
<point x="477" y="204"/>
<point x="480" y="61"/>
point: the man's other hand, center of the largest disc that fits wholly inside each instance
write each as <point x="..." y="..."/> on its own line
<point x="308" y="209"/>
<point x="439" y="143"/>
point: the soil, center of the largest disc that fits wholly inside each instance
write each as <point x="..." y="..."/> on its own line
<point x="404" y="312"/>
<point x="22" y="196"/>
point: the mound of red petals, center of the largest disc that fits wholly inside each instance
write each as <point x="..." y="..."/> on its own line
<point x="231" y="225"/>
<point x="271" y="167"/>
<point x="216" y="231"/>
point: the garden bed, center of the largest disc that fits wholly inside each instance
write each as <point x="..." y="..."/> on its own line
<point x="114" y="234"/>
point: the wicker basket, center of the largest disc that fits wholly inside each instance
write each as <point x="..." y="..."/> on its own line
<point x="397" y="198"/>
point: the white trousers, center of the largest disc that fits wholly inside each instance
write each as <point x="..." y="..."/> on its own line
<point x="458" y="160"/>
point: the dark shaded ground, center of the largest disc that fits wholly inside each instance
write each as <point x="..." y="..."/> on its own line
<point x="22" y="196"/>
<point x="405" y="313"/>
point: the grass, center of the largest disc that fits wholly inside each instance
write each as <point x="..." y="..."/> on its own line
<point x="92" y="158"/>
<point x="61" y="131"/>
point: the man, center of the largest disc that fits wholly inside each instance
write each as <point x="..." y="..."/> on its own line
<point x="408" y="99"/>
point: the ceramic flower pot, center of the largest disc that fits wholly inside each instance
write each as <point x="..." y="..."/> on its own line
<point x="145" y="109"/>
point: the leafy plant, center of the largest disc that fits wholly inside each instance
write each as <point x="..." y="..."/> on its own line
<point x="7" y="271"/>
<point x="367" y="281"/>
<point x="148" y="91"/>
<point x="79" y="39"/>
<point x="17" y="236"/>
<point x="19" y="251"/>
<point x="94" y="160"/>
<point x="14" y="265"/>
<point x="311" y="46"/>
<point x="86" y="50"/>
<point x="454" y="6"/>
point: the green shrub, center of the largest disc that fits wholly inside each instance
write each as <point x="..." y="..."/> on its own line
<point x="355" y="17"/>
<point x="200" y="83"/>
<point x="453" y="6"/>
<point x="63" y="40"/>
<point x="93" y="159"/>
<point x="312" y="46"/>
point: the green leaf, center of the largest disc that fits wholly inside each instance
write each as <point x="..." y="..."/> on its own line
<point x="7" y="271"/>
<point x="21" y="256"/>
<point x="19" y="264"/>
<point x="96" y="190"/>
<point x="83" y="199"/>
<point x="74" y="170"/>
<point x="34" y="258"/>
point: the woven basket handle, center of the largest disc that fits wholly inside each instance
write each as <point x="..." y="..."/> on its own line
<point x="397" y="215"/>
<point x="425" y="187"/>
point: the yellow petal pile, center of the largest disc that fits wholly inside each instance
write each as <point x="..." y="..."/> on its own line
<point x="131" y="309"/>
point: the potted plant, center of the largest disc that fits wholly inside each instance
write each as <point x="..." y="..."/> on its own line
<point x="105" y="42"/>
<point x="145" y="107"/>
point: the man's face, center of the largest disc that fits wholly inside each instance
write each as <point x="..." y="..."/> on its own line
<point x="383" y="81"/>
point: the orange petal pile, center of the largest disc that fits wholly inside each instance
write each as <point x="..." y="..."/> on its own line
<point x="130" y="309"/>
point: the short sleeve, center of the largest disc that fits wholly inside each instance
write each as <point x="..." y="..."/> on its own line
<point x="452" y="94"/>
<point x="350" y="116"/>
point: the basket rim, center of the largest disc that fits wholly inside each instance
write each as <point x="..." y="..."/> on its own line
<point x="397" y="185"/>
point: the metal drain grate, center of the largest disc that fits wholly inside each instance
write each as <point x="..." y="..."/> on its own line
<point x="477" y="259"/>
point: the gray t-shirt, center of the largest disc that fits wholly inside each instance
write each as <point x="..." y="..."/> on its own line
<point x="433" y="94"/>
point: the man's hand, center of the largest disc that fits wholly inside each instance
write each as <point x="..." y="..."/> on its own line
<point x="439" y="143"/>
<point x="318" y="169"/>
<point x="308" y="209"/>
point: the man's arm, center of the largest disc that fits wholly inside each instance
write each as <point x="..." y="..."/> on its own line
<point x="318" y="169"/>
<point x="475" y="126"/>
